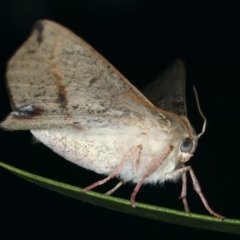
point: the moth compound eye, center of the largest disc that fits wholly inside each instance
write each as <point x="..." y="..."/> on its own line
<point x="186" y="145"/>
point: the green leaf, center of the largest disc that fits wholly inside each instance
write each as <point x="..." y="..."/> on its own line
<point x="121" y="205"/>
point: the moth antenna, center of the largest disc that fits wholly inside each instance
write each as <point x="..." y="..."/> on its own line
<point x="201" y="113"/>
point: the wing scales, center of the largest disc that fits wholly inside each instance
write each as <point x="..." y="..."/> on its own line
<point x="57" y="80"/>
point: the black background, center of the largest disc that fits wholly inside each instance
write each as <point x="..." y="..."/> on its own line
<point x="140" y="38"/>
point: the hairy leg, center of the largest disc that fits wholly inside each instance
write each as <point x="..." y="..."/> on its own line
<point x="196" y="187"/>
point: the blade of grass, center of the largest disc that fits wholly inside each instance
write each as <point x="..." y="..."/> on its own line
<point x="121" y="205"/>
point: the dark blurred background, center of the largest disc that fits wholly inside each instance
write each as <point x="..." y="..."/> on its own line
<point x="140" y="38"/>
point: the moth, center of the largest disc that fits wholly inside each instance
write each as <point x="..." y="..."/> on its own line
<point x="80" y="106"/>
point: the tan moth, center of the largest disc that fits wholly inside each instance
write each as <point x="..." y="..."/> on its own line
<point x="81" y="107"/>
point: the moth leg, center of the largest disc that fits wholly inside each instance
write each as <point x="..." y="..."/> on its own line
<point x="115" y="188"/>
<point x="138" y="148"/>
<point x="183" y="195"/>
<point x="182" y="171"/>
<point x="197" y="188"/>
<point x="153" y="167"/>
<point x="136" y="161"/>
<point x="135" y="167"/>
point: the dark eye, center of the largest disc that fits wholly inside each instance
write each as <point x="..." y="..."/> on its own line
<point x="186" y="145"/>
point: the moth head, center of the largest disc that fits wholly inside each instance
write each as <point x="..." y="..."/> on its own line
<point x="187" y="147"/>
<point x="188" y="144"/>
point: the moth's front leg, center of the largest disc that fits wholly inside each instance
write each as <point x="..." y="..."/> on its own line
<point x="175" y="174"/>
<point x="196" y="186"/>
<point x="183" y="195"/>
<point x="152" y="168"/>
<point x="116" y="172"/>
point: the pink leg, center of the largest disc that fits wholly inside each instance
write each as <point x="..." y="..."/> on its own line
<point x="184" y="192"/>
<point x="154" y="166"/>
<point x="136" y="161"/>
<point x="182" y="171"/>
<point x="116" y="171"/>
<point x="196" y="187"/>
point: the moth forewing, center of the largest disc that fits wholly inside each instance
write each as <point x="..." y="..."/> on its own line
<point x="66" y="71"/>
<point x="80" y="106"/>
